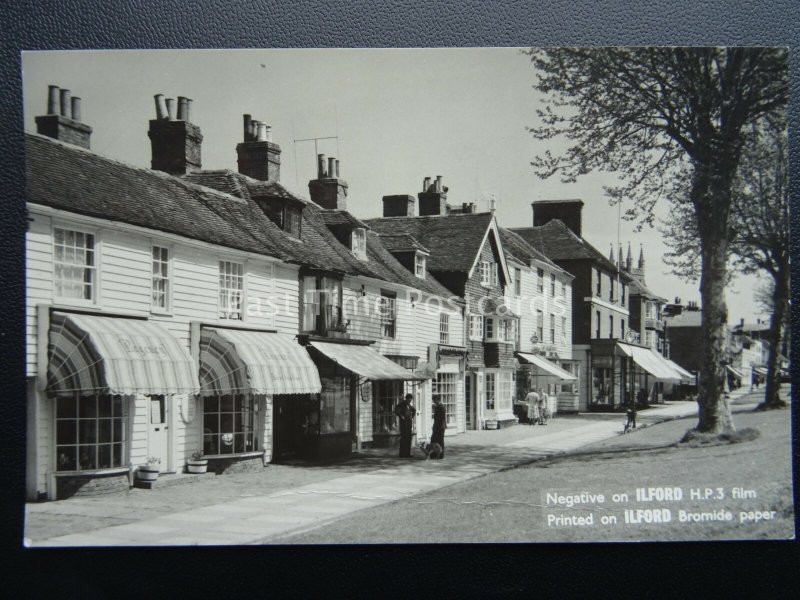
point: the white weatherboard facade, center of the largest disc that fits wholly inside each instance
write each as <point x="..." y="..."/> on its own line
<point x="123" y="287"/>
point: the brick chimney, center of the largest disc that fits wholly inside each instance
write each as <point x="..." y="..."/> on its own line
<point x="175" y="142"/>
<point x="259" y="156"/>
<point x="568" y="211"/>
<point x="62" y="121"/>
<point x="400" y="205"/>
<point x="328" y="190"/>
<point x="433" y="197"/>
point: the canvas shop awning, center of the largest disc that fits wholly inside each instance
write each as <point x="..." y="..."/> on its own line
<point x="113" y="355"/>
<point x="366" y="362"/>
<point x="546" y="366"/>
<point x="240" y="361"/>
<point x="760" y="370"/>
<point x="682" y="373"/>
<point x="650" y="362"/>
<point x="736" y="372"/>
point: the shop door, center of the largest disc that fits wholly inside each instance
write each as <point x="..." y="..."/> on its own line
<point x="294" y="426"/>
<point x="158" y="434"/>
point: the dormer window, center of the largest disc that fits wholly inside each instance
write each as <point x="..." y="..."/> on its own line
<point x="284" y="214"/>
<point x="420" y="265"/>
<point x="358" y="243"/>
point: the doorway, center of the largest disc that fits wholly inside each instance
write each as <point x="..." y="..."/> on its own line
<point x="158" y="431"/>
<point x="469" y="399"/>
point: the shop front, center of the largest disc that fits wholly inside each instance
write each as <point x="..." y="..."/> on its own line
<point x="111" y="388"/>
<point x="536" y="372"/>
<point x="254" y="388"/>
<point x="622" y="373"/>
<point x="360" y="388"/>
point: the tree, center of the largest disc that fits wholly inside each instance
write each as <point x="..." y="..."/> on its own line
<point x="761" y="233"/>
<point x="647" y="114"/>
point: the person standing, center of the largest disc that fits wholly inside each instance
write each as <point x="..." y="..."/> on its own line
<point x="532" y="400"/>
<point x="439" y="422"/>
<point x="543" y="399"/>
<point x="405" y="414"/>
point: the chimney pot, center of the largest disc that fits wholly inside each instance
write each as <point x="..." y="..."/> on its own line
<point x="188" y="110"/>
<point x="65" y="103"/>
<point x="337" y="168"/>
<point x="331" y="167"/>
<point x="161" y="107"/>
<point x="182" y="109"/>
<point x="438" y="183"/>
<point x="426" y="184"/>
<point x="247" y="124"/>
<point x="320" y="166"/>
<point x="76" y="108"/>
<point x="268" y="132"/>
<point x="170" y="109"/>
<point x="262" y="131"/>
<point x="52" y="99"/>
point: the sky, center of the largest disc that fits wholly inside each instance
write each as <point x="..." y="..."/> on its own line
<point x="398" y="116"/>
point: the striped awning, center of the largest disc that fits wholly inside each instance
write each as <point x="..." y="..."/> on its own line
<point x="546" y="366"/>
<point x="113" y="355"/>
<point x="682" y="373"/>
<point x="735" y="372"/>
<point x="760" y="370"/>
<point x="239" y="361"/>
<point x="650" y="361"/>
<point x="366" y="362"/>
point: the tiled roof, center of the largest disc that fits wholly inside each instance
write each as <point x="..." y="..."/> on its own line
<point x="454" y="241"/>
<point x="516" y="246"/>
<point x="557" y="241"/>
<point x="401" y="242"/>
<point x="688" y="318"/>
<point x="66" y="177"/>
<point x="747" y="327"/>
<point x="341" y="217"/>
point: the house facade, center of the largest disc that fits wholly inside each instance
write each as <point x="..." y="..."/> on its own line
<point x="174" y="311"/>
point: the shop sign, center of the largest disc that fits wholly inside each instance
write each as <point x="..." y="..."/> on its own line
<point x="603" y="361"/>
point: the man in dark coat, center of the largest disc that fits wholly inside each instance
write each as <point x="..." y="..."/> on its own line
<point x="439" y="422"/>
<point x="405" y="414"/>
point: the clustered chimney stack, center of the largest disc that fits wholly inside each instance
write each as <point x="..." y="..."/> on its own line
<point x="433" y="197"/>
<point x="176" y="143"/>
<point x="63" y="119"/>
<point x="398" y="205"/>
<point x="328" y="190"/>
<point x="258" y="156"/>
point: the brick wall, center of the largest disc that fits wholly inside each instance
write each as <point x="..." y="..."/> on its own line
<point x="91" y="485"/>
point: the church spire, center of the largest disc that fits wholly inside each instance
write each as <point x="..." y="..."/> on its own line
<point x="611" y="252"/>
<point x="620" y="264"/>
<point x="629" y="259"/>
<point x="641" y="258"/>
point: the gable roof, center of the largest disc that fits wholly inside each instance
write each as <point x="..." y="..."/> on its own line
<point x="558" y="242"/>
<point x="453" y="241"/>
<point x="638" y="288"/>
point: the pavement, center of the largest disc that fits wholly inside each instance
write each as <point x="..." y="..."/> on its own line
<point x="269" y="506"/>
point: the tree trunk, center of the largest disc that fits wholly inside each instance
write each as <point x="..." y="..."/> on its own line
<point x="781" y="301"/>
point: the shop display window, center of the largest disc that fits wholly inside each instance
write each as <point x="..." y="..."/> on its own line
<point x="230" y="424"/>
<point x="90" y="432"/>
<point x="334" y="407"/>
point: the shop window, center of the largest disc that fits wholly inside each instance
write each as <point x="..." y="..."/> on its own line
<point x="90" y="432"/>
<point x="506" y="391"/>
<point x="603" y="386"/>
<point x="334" y="406"/>
<point x="161" y="276"/>
<point x="444" y="328"/>
<point x="489" y="390"/>
<point x="445" y="385"/>
<point x="569" y="387"/>
<point x="231" y="290"/>
<point x="385" y="396"/>
<point x="230" y="424"/>
<point x="388" y="314"/>
<point x="74" y="267"/>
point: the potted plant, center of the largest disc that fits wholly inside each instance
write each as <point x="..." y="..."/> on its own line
<point x="197" y="464"/>
<point x="149" y="471"/>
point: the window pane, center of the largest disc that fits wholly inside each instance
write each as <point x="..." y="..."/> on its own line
<point x="66" y="432"/>
<point x="119" y="430"/>
<point x="104" y="430"/>
<point x="66" y="458"/>
<point x="87" y="457"/>
<point x="104" y="456"/>
<point x="87" y="406"/>
<point x="66" y="407"/>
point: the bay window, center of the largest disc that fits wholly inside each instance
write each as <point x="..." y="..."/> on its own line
<point x="91" y="432"/>
<point x="230" y="424"/>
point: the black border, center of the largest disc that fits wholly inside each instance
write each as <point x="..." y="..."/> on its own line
<point x="366" y="570"/>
